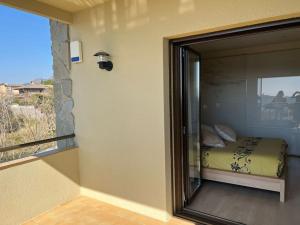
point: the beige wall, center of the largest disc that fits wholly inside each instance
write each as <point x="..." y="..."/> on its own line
<point x="29" y="189"/>
<point x="121" y="125"/>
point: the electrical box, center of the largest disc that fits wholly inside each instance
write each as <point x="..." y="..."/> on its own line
<point x="76" y="51"/>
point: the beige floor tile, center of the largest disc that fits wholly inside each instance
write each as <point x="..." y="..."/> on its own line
<point x="87" y="211"/>
<point x="30" y="222"/>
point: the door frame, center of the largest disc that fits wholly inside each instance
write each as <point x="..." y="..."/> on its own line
<point x="176" y="104"/>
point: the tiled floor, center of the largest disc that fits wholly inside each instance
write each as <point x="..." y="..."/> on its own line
<point x="87" y="211"/>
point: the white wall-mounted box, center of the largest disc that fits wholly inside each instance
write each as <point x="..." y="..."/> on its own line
<point x="76" y="51"/>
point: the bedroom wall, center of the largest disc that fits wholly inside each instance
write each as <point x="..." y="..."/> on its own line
<point x="241" y="91"/>
<point x="122" y="116"/>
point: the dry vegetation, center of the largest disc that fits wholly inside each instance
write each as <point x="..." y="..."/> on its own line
<point x="24" y="120"/>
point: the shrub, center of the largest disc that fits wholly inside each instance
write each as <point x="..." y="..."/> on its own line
<point x="23" y="126"/>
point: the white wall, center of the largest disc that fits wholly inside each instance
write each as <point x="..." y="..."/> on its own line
<point x="122" y="116"/>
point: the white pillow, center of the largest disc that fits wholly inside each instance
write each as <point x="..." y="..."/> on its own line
<point x="225" y="132"/>
<point x="210" y="138"/>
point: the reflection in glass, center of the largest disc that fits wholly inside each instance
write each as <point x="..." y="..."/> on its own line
<point x="278" y="100"/>
<point x="257" y="106"/>
<point x="193" y="123"/>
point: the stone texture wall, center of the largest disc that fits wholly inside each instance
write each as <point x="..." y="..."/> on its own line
<point x="62" y="82"/>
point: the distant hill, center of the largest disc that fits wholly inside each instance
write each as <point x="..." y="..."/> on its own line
<point x="37" y="81"/>
<point x="43" y="81"/>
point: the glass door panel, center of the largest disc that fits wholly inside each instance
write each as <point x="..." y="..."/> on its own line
<point x="191" y="99"/>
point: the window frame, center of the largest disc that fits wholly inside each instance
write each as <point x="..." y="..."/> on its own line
<point x="56" y="41"/>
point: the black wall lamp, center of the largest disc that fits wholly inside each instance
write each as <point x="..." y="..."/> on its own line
<point x="104" y="61"/>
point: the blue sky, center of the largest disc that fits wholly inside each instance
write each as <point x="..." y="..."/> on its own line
<point x="25" y="47"/>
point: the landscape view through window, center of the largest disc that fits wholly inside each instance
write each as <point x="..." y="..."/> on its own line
<point x="27" y="111"/>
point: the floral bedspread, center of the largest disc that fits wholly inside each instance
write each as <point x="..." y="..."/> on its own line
<point x="250" y="155"/>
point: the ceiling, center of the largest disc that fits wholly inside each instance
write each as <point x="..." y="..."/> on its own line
<point x="61" y="10"/>
<point x="72" y="5"/>
<point x="266" y="38"/>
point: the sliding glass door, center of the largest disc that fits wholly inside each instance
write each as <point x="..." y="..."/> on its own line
<point x="191" y="121"/>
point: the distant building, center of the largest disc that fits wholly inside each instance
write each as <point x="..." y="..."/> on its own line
<point x="23" y="89"/>
<point x="7" y="89"/>
<point x="31" y="89"/>
<point x="11" y="89"/>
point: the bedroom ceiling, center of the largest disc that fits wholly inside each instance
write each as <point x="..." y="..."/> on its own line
<point x="267" y="38"/>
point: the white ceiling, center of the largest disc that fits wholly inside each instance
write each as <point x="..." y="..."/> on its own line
<point x="72" y="5"/>
<point x="266" y="38"/>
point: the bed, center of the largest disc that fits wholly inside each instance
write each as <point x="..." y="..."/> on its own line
<point x="252" y="162"/>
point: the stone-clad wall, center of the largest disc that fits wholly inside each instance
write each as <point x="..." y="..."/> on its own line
<point x="62" y="81"/>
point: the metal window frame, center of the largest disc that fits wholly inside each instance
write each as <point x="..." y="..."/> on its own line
<point x="34" y="143"/>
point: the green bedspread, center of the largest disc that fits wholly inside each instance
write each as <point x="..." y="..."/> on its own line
<point x="257" y="156"/>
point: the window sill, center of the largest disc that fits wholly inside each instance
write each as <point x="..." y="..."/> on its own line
<point x="16" y="162"/>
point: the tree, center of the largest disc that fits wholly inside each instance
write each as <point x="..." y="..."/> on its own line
<point x="47" y="82"/>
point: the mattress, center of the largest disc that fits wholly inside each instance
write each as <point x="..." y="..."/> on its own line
<point x="250" y="155"/>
